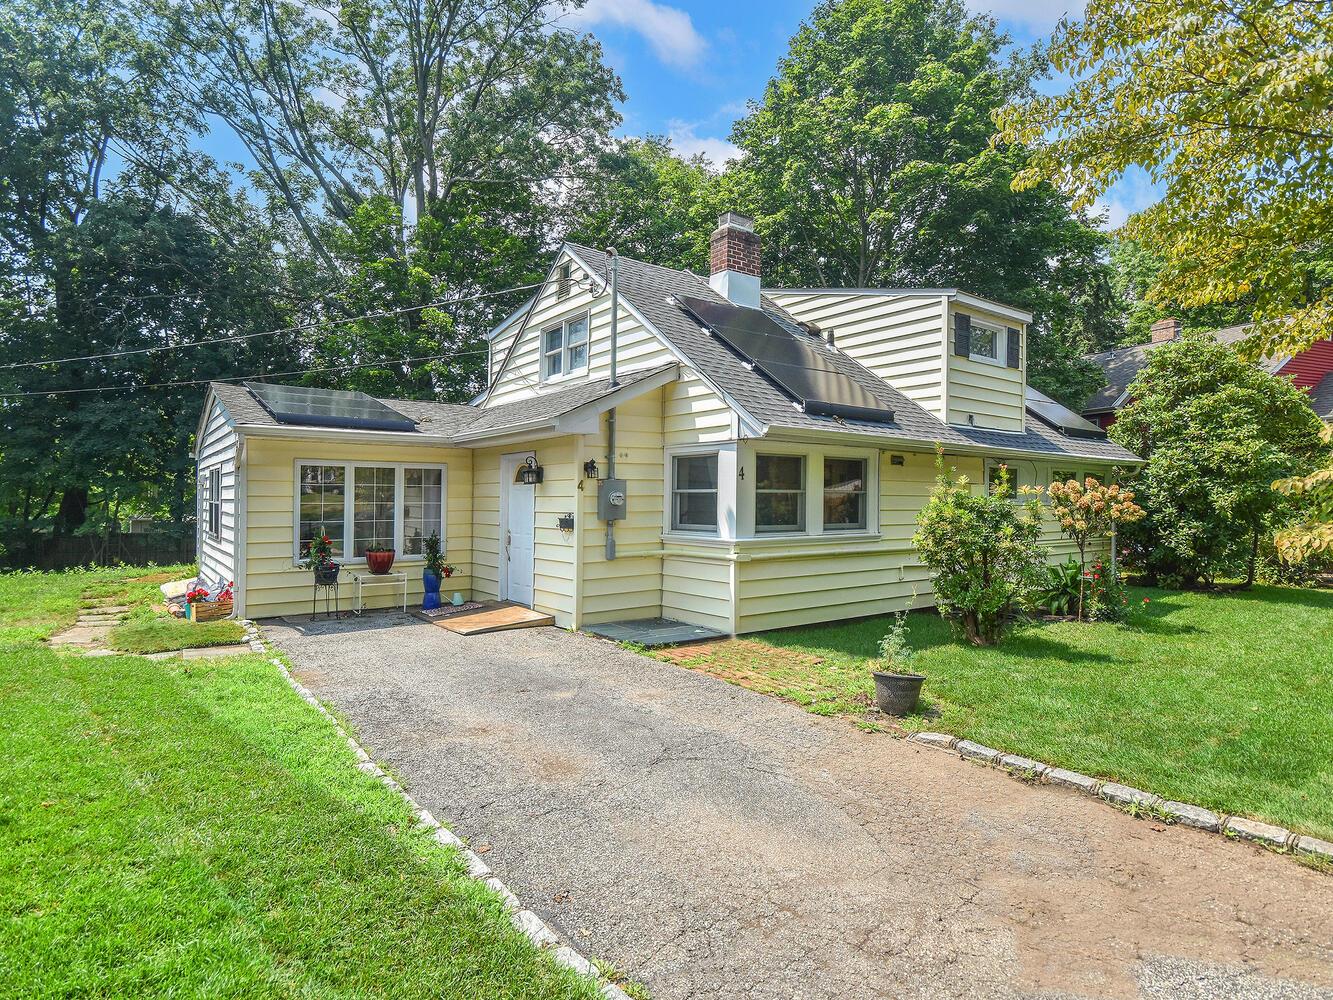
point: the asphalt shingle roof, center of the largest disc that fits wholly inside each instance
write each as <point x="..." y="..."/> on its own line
<point x="1321" y="397"/>
<point x="650" y="288"/>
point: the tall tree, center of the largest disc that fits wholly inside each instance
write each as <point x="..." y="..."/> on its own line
<point x="1229" y="105"/>
<point x="1135" y="273"/>
<point x="869" y="162"/>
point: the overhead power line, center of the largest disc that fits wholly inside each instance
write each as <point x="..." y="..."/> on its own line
<point x="242" y="378"/>
<point x="302" y="327"/>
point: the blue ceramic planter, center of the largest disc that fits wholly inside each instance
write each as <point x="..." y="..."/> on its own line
<point x="430" y="583"/>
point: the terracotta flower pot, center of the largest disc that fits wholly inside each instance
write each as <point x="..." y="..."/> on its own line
<point x="380" y="563"/>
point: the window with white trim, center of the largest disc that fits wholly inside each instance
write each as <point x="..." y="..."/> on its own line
<point x="694" y="492"/>
<point x="423" y="508"/>
<point x="210" y="501"/>
<point x="1017" y="478"/>
<point x="373" y="508"/>
<point x="363" y="504"/>
<point x="779" y="493"/>
<point x="844" y="494"/>
<point x="986" y="342"/>
<point x="321" y="492"/>
<point x="565" y="348"/>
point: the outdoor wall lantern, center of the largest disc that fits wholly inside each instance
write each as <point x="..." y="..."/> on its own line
<point x="590" y="469"/>
<point x="529" y="473"/>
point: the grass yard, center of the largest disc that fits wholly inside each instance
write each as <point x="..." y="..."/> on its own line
<point x="1225" y="701"/>
<point x="148" y="632"/>
<point x="194" y="828"/>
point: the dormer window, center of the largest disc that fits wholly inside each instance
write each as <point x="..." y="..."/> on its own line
<point x="985" y="344"/>
<point x="565" y="348"/>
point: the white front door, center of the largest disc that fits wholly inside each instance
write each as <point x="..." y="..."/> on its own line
<point x="516" y="532"/>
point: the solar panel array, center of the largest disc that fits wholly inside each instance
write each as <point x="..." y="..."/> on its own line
<point x="294" y="404"/>
<point x="1063" y="419"/>
<point x="795" y="367"/>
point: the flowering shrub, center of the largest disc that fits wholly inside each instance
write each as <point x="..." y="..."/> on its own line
<point x="983" y="551"/>
<point x="1087" y="510"/>
<point x="320" y="552"/>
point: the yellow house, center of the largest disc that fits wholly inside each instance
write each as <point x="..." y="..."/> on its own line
<point x="714" y="454"/>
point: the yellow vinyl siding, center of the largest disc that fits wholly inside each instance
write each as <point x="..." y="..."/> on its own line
<point x="692" y="412"/>
<point x="697" y="585"/>
<point x="991" y="394"/>
<point x="637" y="347"/>
<point x="275" y="585"/>
<point x="630" y="586"/>
<point x="898" y="337"/>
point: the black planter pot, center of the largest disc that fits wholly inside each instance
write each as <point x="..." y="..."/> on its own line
<point x="897" y="694"/>
<point x="326" y="576"/>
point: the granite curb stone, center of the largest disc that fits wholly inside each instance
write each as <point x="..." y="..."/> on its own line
<point x="1256" y="832"/>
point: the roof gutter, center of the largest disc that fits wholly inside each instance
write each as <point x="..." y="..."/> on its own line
<point x="924" y="445"/>
<point x="342" y="434"/>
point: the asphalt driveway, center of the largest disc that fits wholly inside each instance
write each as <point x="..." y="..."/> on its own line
<point x="715" y="843"/>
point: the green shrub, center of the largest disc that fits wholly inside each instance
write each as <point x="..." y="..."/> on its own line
<point x="983" y="550"/>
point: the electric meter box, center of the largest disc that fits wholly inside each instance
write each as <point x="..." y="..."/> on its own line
<point x="611" y="499"/>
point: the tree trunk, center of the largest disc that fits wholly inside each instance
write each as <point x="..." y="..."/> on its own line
<point x="1252" y="571"/>
<point x="73" y="510"/>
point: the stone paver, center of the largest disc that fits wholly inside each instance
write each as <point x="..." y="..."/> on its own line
<point x="715" y="843"/>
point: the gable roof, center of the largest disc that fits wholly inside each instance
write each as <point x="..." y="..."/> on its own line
<point x="650" y="290"/>
<point x="1321" y="398"/>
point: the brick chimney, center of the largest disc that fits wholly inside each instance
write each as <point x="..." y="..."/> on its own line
<point x="733" y="260"/>
<point x="1165" y="329"/>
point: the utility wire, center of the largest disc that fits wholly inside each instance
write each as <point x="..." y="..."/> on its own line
<point x="267" y="333"/>
<point x="242" y="378"/>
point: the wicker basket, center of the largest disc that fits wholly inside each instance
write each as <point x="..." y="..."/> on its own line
<point x="208" y="611"/>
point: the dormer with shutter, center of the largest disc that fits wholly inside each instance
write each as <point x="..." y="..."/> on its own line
<point x="961" y="357"/>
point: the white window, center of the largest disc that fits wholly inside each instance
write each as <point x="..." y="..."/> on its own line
<point x="844" y="494"/>
<point x="565" y="348"/>
<point x="364" y="505"/>
<point x="423" y="508"/>
<point x="694" y="492"/>
<point x="210" y="501"/>
<point x="372" y="508"/>
<point x="779" y="493"/>
<point x="321" y="492"/>
<point x="986" y="343"/>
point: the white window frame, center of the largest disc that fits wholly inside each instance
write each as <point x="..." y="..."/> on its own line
<point x="565" y="349"/>
<point x="814" y="455"/>
<point x="865" y="495"/>
<point x="718" y="492"/>
<point x="804" y="492"/>
<point x="211" y="501"/>
<point x="998" y="341"/>
<point x="349" y="506"/>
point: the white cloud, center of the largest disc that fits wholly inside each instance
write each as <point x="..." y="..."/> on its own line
<point x="668" y="30"/>
<point x="685" y="141"/>
<point x="1133" y="192"/>
<point x="1036" y="15"/>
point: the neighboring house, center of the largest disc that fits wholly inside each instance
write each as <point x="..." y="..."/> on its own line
<point x="1311" y="369"/>
<point x="771" y="452"/>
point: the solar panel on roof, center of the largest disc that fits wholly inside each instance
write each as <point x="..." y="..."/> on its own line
<point x="1063" y="419"/>
<point x="294" y="404"/>
<point x="794" y="366"/>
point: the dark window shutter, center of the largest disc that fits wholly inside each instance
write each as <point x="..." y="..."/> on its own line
<point x="1013" y="348"/>
<point x="962" y="334"/>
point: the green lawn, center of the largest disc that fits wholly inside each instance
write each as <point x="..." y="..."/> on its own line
<point x="148" y="632"/>
<point x="194" y="828"/>
<point x="1225" y="701"/>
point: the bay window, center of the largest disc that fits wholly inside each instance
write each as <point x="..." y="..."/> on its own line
<point x="779" y="493"/>
<point x="844" y="494"/>
<point x="694" y="492"/>
<point x="364" y="505"/>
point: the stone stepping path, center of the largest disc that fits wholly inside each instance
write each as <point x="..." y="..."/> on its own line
<point x="92" y="627"/>
<point x="90" y="631"/>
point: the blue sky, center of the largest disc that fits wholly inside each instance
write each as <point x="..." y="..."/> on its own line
<point x="689" y="66"/>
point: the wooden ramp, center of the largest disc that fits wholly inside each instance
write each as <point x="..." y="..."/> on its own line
<point x="494" y="618"/>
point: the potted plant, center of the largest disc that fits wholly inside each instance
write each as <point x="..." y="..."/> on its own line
<point x="319" y="557"/>
<point x="379" y="559"/>
<point x="431" y="575"/>
<point x="897" y="687"/>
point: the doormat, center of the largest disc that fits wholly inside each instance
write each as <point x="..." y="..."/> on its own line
<point x="449" y="609"/>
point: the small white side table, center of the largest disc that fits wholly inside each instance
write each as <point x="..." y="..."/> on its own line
<point x="364" y="578"/>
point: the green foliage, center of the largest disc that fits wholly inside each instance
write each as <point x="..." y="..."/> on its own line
<point x="1217" y="431"/>
<point x="868" y="162"/>
<point x="983" y="550"/>
<point x="1309" y="539"/>
<point x="434" y="561"/>
<point x="149" y="632"/>
<point x="1225" y="105"/>
<point x="1134" y="276"/>
<point x="1061" y="591"/>
<point x="895" y="652"/>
